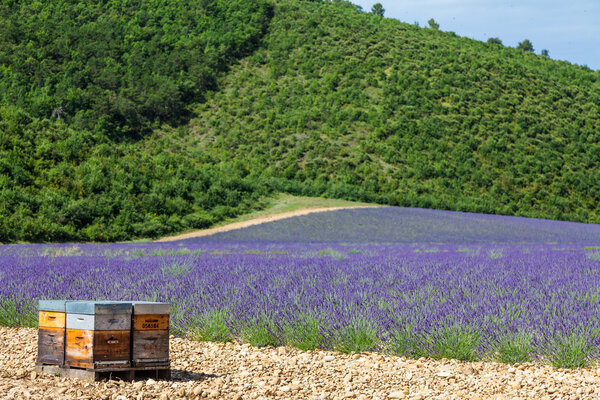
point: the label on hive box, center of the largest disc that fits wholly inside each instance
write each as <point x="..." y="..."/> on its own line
<point x="112" y="346"/>
<point x="151" y="322"/>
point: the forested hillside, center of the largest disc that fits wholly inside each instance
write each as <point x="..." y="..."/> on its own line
<point x="83" y="84"/>
<point x="345" y="103"/>
<point x="134" y="119"/>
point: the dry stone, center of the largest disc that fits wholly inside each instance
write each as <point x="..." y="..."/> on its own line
<point x="242" y="372"/>
<point x="397" y="395"/>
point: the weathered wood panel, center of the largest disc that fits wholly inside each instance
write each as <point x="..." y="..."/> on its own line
<point x="89" y="349"/>
<point x="112" y="346"/>
<point x="151" y="307"/>
<point x="98" y="307"/>
<point x="52" y="305"/>
<point x="113" y="322"/>
<point x="79" y="348"/>
<point x="51" y="346"/>
<point x="144" y="372"/>
<point x="102" y="322"/>
<point x="51" y="319"/>
<point x="150" y="322"/>
<point x="150" y="346"/>
<point x="80" y="321"/>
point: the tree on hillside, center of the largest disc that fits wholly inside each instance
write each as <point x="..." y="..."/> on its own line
<point x="526" y="45"/>
<point x="494" y="40"/>
<point x="378" y="9"/>
<point x="546" y="53"/>
<point x="433" y="25"/>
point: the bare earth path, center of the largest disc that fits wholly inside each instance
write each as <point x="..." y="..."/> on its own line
<point x="255" y="221"/>
<point x="237" y="371"/>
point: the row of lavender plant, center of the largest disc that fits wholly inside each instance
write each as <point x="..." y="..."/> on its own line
<point x="509" y="302"/>
<point x="413" y="225"/>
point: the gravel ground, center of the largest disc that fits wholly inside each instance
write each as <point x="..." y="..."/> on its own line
<point x="239" y="371"/>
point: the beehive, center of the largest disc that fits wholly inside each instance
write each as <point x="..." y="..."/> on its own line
<point x="98" y="334"/>
<point x="150" y="333"/>
<point x="51" y="333"/>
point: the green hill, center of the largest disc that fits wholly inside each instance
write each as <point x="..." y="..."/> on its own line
<point x="140" y="119"/>
<point x="83" y="85"/>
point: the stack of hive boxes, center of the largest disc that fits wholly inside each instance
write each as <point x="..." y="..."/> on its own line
<point x="103" y="335"/>
<point x="150" y="333"/>
<point x="98" y="334"/>
<point x="51" y="335"/>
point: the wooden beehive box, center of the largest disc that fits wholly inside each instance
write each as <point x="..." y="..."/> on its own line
<point x="51" y="333"/>
<point x="98" y="334"/>
<point x="150" y="333"/>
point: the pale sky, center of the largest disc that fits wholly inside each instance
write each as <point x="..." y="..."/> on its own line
<point x="569" y="29"/>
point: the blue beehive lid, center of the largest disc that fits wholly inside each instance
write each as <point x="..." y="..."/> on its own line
<point x="52" y="305"/>
<point x="150" y="307"/>
<point x="99" y="307"/>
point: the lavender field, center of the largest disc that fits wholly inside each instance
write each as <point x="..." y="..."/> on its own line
<point x="404" y="281"/>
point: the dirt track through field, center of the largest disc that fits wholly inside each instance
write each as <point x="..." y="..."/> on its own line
<point x="234" y="371"/>
<point x="255" y="221"/>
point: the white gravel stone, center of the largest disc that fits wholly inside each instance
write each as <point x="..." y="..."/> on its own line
<point x="216" y="370"/>
<point x="396" y="395"/>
